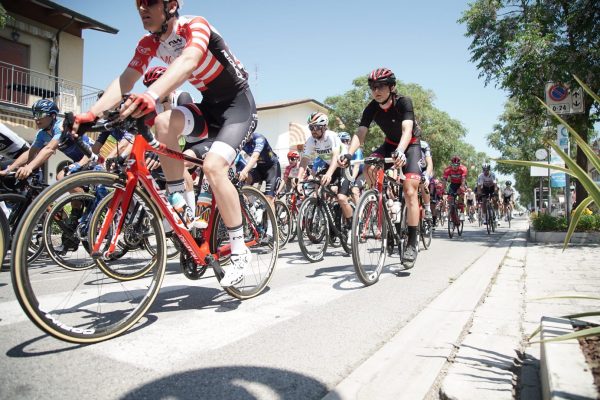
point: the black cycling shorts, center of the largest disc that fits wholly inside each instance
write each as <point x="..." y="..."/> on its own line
<point x="270" y="174"/>
<point x="231" y="122"/>
<point x="412" y="169"/>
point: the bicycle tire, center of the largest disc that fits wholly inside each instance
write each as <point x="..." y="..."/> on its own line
<point x="284" y="222"/>
<point x="489" y="215"/>
<point x="264" y="252"/>
<point x="4" y="237"/>
<point x="82" y="306"/>
<point x="426" y="233"/>
<point x="18" y="204"/>
<point x="313" y="229"/>
<point x="451" y="222"/>
<point x="54" y="224"/>
<point x="369" y="238"/>
<point x="460" y="228"/>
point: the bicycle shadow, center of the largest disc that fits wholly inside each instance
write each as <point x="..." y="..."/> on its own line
<point x="232" y="383"/>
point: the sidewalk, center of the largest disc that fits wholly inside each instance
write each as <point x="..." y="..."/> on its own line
<point x="495" y="360"/>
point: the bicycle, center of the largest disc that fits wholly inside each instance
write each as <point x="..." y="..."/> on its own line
<point x="377" y="227"/>
<point x="291" y="200"/>
<point x="454" y="222"/>
<point x="508" y="212"/>
<point x="425" y="228"/>
<point x="320" y="223"/>
<point x="490" y="214"/>
<point x="99" y="303"/>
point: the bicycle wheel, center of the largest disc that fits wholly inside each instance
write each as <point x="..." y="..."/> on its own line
<point x="480" y="217"/>
<point x="4" y="237"/>
<point x="259" y="223"/>
<point x="426" y="229"/>
<point x="61" y="236"/>
<point x="488" y="213"/>
<point x="509" y="217"/>
<point x="313" y="230"/>
<point x="284" y="222"/>
<point x="369" y="238"/>
<point x="82" y="306"/>
<point x="451" y="226"/>
<point x="17" y="204"/>
<point x="460" y="227"/>
<point x="136" y="239"/>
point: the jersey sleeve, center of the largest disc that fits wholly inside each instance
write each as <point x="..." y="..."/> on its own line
<point x="259" y="144"/>
<point x="197" y="33"/>
<point x="145" y="50"/>
<point x="309" y="150"/>
<point x="39" y="141"/>
<point x="405" y="106"/>
<point x="446" y="173"/>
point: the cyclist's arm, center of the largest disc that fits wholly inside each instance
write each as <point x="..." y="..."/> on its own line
<point x="301" y="170"/>
<point x="22" y="159"/>
<point x="358" y="139"/>
<point x="178" y="71"/>
<point x="335" y="155"/>
<point x="429" y="166"/>
<point x="407" y="129"/>
<point x="44" y="154"/>
<point x="251" y="162"/>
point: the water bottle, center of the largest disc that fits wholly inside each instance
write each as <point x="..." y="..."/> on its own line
<point x="203" y="203"/>
<point x="390" y="206"/>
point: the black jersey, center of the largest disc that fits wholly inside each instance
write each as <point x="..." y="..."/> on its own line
<point x="390" y="120"/>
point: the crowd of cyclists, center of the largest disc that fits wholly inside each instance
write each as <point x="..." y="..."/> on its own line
<point x="220" y="130"/>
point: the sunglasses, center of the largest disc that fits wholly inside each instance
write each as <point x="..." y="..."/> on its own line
<point x="39" y="114"/>
<point x="375" y="86"/>
<point x="147" y="3"/>
<point x="315" y="127"/>
<point x="455" y="164"/>
<point x="346" y="141"/>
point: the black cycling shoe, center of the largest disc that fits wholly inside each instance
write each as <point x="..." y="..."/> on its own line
<point x="409" y="257"/>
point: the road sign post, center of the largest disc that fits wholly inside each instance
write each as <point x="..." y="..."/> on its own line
<point x="564" y="100"/>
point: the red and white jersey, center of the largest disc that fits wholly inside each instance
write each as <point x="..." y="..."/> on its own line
<point x="455" y="175"/>
<point x="218" y="75"/>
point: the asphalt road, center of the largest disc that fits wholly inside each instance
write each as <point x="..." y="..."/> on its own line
<point x="312" y="327"/>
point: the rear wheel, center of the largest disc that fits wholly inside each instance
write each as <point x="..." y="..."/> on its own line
<point x="313" y="230"/>
<point x="426" y="229"/>
<point x="17" y="204"/>
<point x="259" y="223"/>
<point x="83" y="306"/>
<point x="451" y="226"/>
<point x="4" y="237"/>
<point x="369" y="238"/>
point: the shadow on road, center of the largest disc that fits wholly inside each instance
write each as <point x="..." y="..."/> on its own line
<point x="231" y="383"/>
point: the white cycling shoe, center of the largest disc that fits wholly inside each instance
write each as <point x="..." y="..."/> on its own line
<point x="235" y="272"/>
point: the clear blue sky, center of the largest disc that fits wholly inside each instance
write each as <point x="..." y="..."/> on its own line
<point x="314" y="49"/>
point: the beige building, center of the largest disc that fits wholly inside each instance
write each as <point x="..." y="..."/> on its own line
<point x="41" y="56"/>
<point x="284" y="124"/>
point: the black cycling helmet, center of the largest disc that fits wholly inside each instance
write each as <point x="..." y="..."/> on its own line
<point x="44" y="107"/>
<point x="508" y="183"/>
<point x="382" y="75"/>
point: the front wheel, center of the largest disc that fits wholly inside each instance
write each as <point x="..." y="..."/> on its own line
<point x="369" y="238"/>
<point x="313" y="230"/>
<point x="284" y="222"/>
<point x="83" y="306"/>
<point x="451" y="226"/>
<point x="426" y="233"/>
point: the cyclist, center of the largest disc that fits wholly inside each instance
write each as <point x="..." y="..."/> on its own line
<point x="470" y="200"/>
<point x="262" y="165"/>
<point x="12" y="146"/>
<point x="486" y="186"/>
<point x="290" y="175"/>
<point x="426" y="164"/>
<point x="196" y="52"/>
<point x="394" y="114"/>
<point x="327" y="146"/>
<point x="358" y="181"/>
<point x="507" y="197"/>
<point x="436" y="194"/>
<point x="456" y="174"/>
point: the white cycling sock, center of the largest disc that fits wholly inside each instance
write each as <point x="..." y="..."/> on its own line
<point x="427" y="207"/>
<point x="236" y="239"/>
<point x="190" y="199"/>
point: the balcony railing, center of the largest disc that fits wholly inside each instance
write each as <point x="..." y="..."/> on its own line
<point x="22" y="87"/>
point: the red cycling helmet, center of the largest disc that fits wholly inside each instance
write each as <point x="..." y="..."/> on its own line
<point x="293" y="155"/>
<point x="152" y="74"/>
<point x="382" y="75"/>
<point x="455" y="160"/>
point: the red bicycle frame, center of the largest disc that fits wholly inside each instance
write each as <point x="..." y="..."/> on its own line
<point x="136" y="171"/>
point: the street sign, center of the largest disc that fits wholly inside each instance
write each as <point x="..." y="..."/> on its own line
<point x="562" y="137"/>
<point x="562" y="100"/>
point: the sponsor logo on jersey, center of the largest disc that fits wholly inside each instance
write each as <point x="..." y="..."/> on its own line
<point x="143" y="50"/>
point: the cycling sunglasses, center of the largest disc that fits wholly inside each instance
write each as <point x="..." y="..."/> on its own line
<point x="374" y="86"/>
<point x="315" y="127"/>
<point x="147" y="3"/>
<point x="40" y="114"/>
<point x="455" y="164"/>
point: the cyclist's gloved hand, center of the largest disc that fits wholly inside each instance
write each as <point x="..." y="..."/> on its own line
<point x="138" y="105"/>
<point x="344" y="160"/>
<point x="87" y="118"/>
<point x="152" y="160"/>
<point x="400" y="158"/>
<point x="75" y="167"/>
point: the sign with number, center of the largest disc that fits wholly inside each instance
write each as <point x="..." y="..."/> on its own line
<point x="562" y="100"/>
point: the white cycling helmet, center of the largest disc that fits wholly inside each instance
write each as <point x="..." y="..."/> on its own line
<point x="318" y="118"/>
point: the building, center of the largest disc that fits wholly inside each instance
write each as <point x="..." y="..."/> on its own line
<point x="41" y="56"/>
<point x="284" y="124"/>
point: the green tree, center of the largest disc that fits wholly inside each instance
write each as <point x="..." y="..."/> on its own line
<point x="522" y="45"/>
<point x="443" y="133"/>
<point x="4" y="17"/>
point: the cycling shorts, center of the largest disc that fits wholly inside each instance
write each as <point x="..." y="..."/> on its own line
<point x="488" y="191"/>
<point x="412" y="169"/>
<point x="453" y="189"/>
<point x="231" y="122"/>
<point x="507" y="200"/>
<point x="470" y="203"/>
<point x="270" y="174"/>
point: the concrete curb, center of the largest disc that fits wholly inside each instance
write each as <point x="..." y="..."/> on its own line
<point x="559" y="237"/>
<point x="409" y="364"/>
<point x="564" y="371"/>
